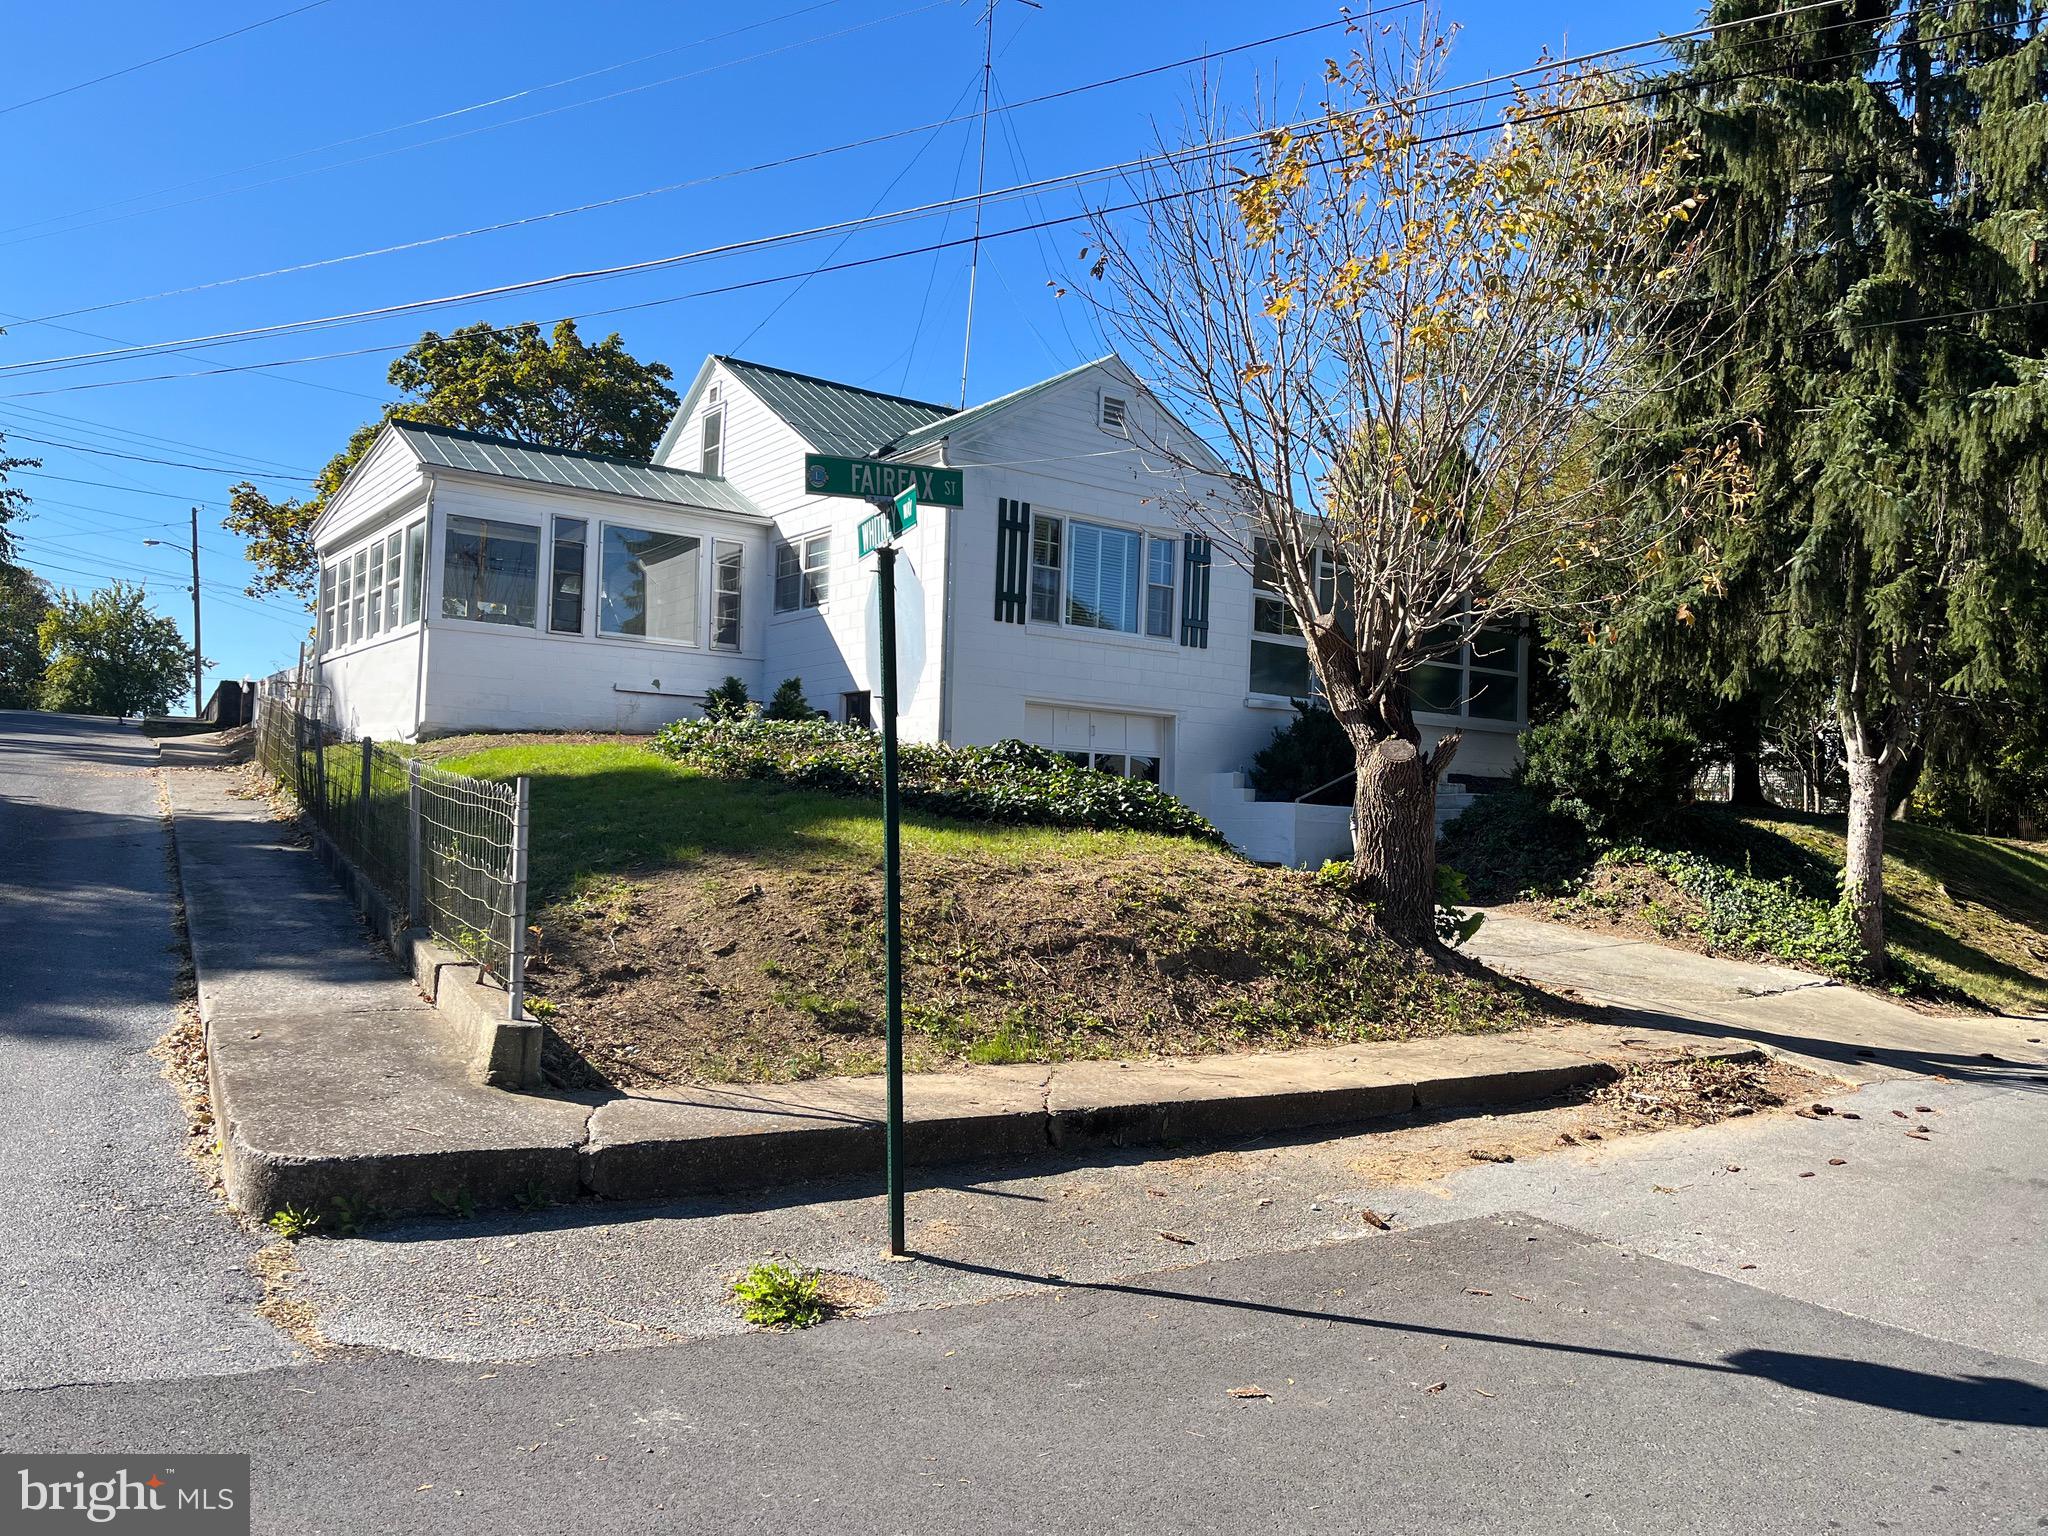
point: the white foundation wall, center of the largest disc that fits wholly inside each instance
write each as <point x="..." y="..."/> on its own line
<point x="372" y="689"/>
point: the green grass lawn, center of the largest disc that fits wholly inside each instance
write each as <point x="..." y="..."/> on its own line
<point x="1966" y="917"/>
<point x="692" y="927"/>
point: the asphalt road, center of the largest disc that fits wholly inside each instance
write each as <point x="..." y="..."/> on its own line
<point x="1676" y="1332"/>
<point x="115" y="1262"/>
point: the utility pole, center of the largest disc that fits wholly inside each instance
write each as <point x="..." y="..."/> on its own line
<point x="198" y="664"/>
<point x="198" y="660"/>
<point x="988" y="64"/>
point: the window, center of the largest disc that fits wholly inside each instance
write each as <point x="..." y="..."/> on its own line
<point x="490" y="571"/>
<point x="1481" y="680"/>
<point x="803" y="573"/>
<point x="375" y="585"/>
<point x="1045" y="569"/>
<point x="327" y="607"/>
<point x="361" y="585"/>
<point x="1280" y="663"/>
<point x="343" y="587"/>
<point x="711" y="441"/>
<point x="725" y="597"/>
<point x="565" y="580"/>
<point x="394" y="570"/>
<point x="1114" y="413"/>
<point x="1160" y="557"/>
<point x="858" y="708"/>
<point x="647" y="585"/>
<point x="1102" y="577"/>
<point x="415" y="569"/>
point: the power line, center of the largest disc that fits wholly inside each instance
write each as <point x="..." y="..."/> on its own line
<point x="43" y="415"/>
<point x="1075" y="179"/>
<point x="143" y="458"/>
<point x="600" y="204"/>
<point x="176" y="53"/>
<point x="1210" y="150"/>
<point x="510" y="122"/>
<point x="378" y="133"/>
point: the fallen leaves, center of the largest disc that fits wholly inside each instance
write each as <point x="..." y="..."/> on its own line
<point x="1248" y="1392"/>
<point x="1373" y="1218"/>
<point x="1436" y="1386"/>
<point x="1482" y="1155"/>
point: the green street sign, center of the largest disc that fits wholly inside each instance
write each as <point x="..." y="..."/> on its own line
<point x="827" y="474"/>
<point x="880" y="529"/>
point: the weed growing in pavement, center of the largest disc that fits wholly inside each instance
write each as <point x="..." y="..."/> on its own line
<point x="351" y="1215"/>
<point x="460" y="1203"/>
<point x="293" y="1223"/>
<point x="775" y="1295"/>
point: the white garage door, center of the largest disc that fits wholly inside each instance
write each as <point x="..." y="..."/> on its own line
<point x="1130" y="746"/>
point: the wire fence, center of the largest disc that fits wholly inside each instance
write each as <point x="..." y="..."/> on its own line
<point x="448" y="850"/>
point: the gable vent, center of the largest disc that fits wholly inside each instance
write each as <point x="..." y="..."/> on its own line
<point x="1113" y="413"/>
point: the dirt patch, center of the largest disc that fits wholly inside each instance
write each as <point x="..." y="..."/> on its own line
<point x="733" y="969"/>
<point x="1427" y="1148"/>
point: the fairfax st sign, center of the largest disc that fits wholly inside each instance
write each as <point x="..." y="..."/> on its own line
<point x="827" y="474"/>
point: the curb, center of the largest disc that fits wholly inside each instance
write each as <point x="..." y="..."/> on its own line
<point x="436" y="1144"/>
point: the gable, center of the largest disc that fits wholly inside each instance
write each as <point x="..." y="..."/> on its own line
<point x="829" y="416"/>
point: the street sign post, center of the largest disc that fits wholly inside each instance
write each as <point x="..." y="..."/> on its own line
<point x="895" y="516"/>
<point x="828" y="474"/>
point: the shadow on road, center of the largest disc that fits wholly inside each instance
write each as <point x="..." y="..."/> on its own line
<point x="1965" y="1399"/>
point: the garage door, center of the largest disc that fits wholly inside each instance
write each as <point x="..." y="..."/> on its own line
<point x="1129" y="746"/>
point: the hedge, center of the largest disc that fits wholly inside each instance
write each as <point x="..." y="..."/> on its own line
<point x="1011" y="781"/>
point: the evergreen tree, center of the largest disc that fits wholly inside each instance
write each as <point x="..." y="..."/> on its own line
<point x="1876" y="182"/>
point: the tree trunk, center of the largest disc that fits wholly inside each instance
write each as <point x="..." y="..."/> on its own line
<point x="1863" y="866"/>
<point x="1393" y="827"/>
<point x="1746" y="753"/>
<point x="1898" y="797"/>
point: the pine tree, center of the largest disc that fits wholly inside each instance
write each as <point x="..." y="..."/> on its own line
<point x="1876" y="181"/>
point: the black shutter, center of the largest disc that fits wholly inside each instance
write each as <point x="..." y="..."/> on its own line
<point x="1194" y="591"/>
<point x="1013" y="559"/>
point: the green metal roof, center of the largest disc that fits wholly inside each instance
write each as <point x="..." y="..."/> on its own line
<point x="482" y="454"/>
<point x="961" y="421"/>
<point x="835" y="418"/>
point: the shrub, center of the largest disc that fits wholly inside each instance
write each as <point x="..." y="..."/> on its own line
<point x="728" y="701"/>
<point x="776" y="1296"/>
<point x="1304" y="756"/>
<point x="1510" y="845"/>
<point x="789" y="703"/>
<point x="1008" y="782"/>
<point x="1611" y="774"/>
<point x="1742" y="910"/>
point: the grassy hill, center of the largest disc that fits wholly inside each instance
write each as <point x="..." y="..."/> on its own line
<point x="1966" y="917"/>
<point x="693" y="926"/>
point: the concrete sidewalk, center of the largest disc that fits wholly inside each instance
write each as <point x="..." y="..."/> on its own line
<point x="334" y="1079"/>
<point x="1806" y="1019"/>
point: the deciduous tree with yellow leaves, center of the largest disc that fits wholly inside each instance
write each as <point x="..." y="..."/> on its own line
<point x="1413" y="332"/>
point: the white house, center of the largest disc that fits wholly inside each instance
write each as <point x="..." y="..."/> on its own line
<point x="474" y="583"/>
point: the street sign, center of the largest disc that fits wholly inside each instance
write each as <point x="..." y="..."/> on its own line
<point x="874" y="533"/>
<point x="827" y="474"/>
<point x="888" y="523"/>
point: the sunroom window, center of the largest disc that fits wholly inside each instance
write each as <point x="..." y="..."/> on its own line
<point x="649" y="584"/>
<point x="490" y="571"/>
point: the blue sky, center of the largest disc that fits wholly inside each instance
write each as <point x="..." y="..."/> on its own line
<point x="275" y="148"/>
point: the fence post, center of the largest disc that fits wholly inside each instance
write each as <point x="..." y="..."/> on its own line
<point x="363" y="805"/>
<point x="522" y="820"/>
<point x="413" y="878"/>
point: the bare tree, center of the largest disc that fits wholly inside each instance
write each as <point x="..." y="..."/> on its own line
<point x="1408" y="333"/>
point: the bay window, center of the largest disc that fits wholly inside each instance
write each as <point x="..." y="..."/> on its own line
<point x="490" y="571"/>
<point x="648" y="584"/>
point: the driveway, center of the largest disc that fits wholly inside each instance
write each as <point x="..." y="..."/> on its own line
<point x="116" y="1264"/>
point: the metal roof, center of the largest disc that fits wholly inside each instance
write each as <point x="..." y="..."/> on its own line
<point x="835" y="418"/>
<point x="960" y="421"/>
<point x="452" y="448"/>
